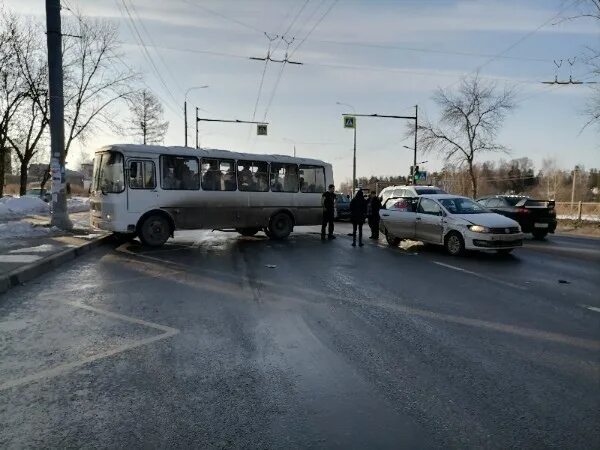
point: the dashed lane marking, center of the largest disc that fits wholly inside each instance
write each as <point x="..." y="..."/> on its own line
<point x="479" y="275"/>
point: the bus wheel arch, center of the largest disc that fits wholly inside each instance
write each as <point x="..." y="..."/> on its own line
<point x="281" y="224"/>
<point x="155" y="227"/>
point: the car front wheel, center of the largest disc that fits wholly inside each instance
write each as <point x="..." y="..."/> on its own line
<point x="454" y="243"/>
<point x="540" y="235"/>
<point x="392" y="240"/>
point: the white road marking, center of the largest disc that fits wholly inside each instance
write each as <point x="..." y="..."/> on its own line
<point x="61" y="369"/>
<point x="479" y="275"/>
<point x="18" y="258"/>
<point x="591" y="308"/>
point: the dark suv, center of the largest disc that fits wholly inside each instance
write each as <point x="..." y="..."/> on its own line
<point x="342" y="206"/>
<point x="537" y="217"/>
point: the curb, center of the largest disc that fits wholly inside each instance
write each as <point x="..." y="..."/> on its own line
<point x="28" y="272"/>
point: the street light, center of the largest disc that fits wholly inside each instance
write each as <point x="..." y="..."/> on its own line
<point x="293" y="142"/>
<point x="354" y="154"/>
<point x="185" y="109"/>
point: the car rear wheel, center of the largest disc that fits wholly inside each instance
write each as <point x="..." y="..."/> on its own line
<point x="540" y="235"/>
<point x="155" y="230"/>
<point x="280" y="226"/>
<point x="454" y="243"/>
<point x="247" y="231"/>
<point x="392" y="240"/>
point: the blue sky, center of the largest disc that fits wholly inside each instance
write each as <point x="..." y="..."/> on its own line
<point x="381" y="56"/>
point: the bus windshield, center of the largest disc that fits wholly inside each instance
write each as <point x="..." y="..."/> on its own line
<point x="108" y="172"/>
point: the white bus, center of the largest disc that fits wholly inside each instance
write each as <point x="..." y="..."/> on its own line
<point x="150" y="191"/>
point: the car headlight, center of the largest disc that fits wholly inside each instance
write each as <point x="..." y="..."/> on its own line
<point x="478" y="228"/>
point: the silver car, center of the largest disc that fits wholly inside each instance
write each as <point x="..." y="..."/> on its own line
<point x="457" y="223"/>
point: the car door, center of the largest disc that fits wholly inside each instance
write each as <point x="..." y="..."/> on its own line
<point x="429" y="221"/>
<point x="399" y="217"/>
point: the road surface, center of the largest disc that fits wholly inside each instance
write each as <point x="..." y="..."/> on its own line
<point x="221" y="341"/>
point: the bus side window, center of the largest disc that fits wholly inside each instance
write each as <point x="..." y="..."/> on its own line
<point x="218" y="175"/>
<point x="141" y="175"/>
<point x="312" y="179"/>
<point x="179" y="172"/>
<point x="252" y="176"/>
<point x="284" y="177"/>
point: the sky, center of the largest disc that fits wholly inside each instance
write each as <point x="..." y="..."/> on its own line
<point x="377" y="56"/>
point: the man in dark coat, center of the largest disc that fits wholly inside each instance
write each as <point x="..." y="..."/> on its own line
<point x="373" y="208"/>
<point x="358" y="211"/>
<point x="328" y="204"/>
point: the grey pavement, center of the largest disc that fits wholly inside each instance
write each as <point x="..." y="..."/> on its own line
<point x="219" y="341"/>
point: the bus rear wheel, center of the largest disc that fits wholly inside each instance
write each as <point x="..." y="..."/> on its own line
<point x="280" y="226"/>
<point x="247" y="231"/>
<point x="155" y="230"/>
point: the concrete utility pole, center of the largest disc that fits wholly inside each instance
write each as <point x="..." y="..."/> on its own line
<point x="354" y="186"/>
<point x="573" y="188"/>
<point x="60" y="215"/>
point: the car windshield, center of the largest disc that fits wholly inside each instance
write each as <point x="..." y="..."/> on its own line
<point x="512" y="201"/>
<point x="341" y="198"/>
<point x="461" y="205"/>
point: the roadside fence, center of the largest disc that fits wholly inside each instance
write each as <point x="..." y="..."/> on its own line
<point x="578" y="211"/>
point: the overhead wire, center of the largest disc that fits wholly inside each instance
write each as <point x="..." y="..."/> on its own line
<point x="149" y="36"/>
<point x="145" y="51"/>
<point x="285" y="33"/>
<point x="314" y="27"/>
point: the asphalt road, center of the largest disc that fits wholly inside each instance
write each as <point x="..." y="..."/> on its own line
<point x="219" y="341"/>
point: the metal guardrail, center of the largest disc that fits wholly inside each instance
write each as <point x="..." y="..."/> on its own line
<point x="578" y="210"/>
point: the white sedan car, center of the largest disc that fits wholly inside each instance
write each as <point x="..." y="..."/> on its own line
<point x="457" y="223"/>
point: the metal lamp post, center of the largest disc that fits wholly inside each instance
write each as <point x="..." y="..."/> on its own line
<point x="185" y="109"/>
<point x="354" y="152"/>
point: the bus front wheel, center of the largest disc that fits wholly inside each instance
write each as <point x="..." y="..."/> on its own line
<point x="280" y="226"/>
<point x="155" y="230"/>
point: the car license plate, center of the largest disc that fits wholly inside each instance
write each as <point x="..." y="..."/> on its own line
<point x="541" y="225"/>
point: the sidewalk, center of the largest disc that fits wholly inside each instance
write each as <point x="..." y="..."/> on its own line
<point x="29" y="247"/>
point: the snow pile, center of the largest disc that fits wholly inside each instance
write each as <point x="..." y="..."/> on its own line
<point x="78" y="204"/>
<point x="11" y="207"/>
<point x="17" y="228"/>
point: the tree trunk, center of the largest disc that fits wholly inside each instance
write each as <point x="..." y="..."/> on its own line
<point x="473" y="180"/>
<point x="23" y="178"/>
<point x="2" y="169"/>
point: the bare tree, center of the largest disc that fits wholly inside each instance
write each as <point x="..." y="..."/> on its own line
<point x="28" y="130"/>
<point x="469" y="122"/>
<point x="95" y="79"/>
<point x="12" y="89"/>
<point x="146" y="118"/>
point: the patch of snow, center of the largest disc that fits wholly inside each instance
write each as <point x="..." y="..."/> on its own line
<point x="44" y="248"/>
<point x="78" y="204"/>
<point x="13" y="207"/>
<point x="17" y="228"/>
<point x="19" y="258"/>
<point x="588" y="217"/>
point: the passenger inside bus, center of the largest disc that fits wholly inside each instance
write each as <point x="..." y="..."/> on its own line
<point x="211" y="178"/>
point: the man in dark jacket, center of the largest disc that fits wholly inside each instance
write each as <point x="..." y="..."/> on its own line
<point x="373" y="207"/>
<point x="358" y="211"/>
<point x="328" y="204"/>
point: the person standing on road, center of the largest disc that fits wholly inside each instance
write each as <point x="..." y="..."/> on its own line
<point x="328" y="204"/>
<point x="373" y="207"/>
<point x="358" y="211"/>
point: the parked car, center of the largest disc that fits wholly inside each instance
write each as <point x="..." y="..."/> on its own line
<point x="342" y="206"/>
<point x="457" y="223"/>
<point x="408" y="191"/>
<point x="40" y="193"/>
<point x="537" y="217"/>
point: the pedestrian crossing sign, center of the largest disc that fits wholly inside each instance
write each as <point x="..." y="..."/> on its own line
<point x="261" y="129"/>
<point x="349" y="122"/>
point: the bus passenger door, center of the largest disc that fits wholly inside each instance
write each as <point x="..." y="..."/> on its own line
<point x="142" y="192"/>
